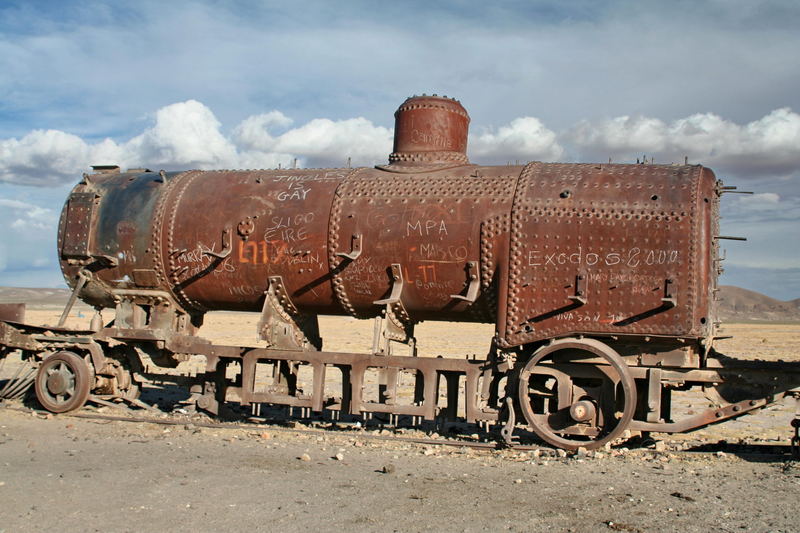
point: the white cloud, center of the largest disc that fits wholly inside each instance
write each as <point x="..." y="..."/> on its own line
<point x="29" y="216"/>
<point x="185" y="134"/>
<point x="320" y="142"/>
<point x="41" y="157"/>
<point x="524" y="138"/>
<point x="188" y="135"/>
<point x="29" y="240"/>
<point x="767" y="146"/>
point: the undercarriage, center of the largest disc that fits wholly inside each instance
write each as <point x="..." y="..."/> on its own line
<point x="571" y="392"/>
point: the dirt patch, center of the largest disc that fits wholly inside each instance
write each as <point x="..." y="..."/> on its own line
<point x="72" y="474"/>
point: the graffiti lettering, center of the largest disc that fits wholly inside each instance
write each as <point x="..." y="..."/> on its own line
<point x="425" y="228"/>
<point x="295" y="191"/>
<point x="632" y="257"/>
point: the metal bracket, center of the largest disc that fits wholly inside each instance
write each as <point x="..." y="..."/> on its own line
<point x="398" y="324"/>
<point x="474" y="283"/>
<point x="670" y="289"/>
<point x="580" y="297"/>
<point x="654" y="395"/>
<point x="281" y="325"/>
<point x="355" y="248"/>
<point x="226" y="246"/>
<point x="106" y="261"/>
<point x="397" y="286"/>
<point x="507" y="432"/>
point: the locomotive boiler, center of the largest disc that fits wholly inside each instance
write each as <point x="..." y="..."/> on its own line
<point x="600" y="280"/>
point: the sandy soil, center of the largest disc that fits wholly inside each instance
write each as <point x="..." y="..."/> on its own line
<point x="77" y="475"/>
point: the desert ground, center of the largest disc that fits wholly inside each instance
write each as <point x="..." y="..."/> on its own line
<point x="79" y="474"/>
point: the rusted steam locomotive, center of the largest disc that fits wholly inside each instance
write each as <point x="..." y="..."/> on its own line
<point x="600" y="278"/>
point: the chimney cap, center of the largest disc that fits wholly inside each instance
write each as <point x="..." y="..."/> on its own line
<point x="430" y="133"/>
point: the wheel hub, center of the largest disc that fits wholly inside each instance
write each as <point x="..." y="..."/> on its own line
<point x="57" y="383"/>
<point x="582" y="411"/>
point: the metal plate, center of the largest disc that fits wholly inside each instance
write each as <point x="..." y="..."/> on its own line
<point x="603" y="248"/>
<point x="432" y="225"/>
<point x="78" y="225"/>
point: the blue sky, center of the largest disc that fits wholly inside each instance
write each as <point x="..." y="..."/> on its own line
<point x="252" y="84"/>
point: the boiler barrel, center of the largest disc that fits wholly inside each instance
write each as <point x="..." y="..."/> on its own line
<point x="213" y="239"/>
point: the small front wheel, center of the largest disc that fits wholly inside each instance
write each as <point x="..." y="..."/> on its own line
<point x="63" y="382"/>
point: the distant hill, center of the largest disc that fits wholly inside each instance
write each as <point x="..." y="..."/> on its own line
<point x="34" y="297"/>
<point x="743" y="305"/>
<point x="736" y="305"/>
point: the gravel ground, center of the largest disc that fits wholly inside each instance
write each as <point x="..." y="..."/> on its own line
<point x="71" y="474"/>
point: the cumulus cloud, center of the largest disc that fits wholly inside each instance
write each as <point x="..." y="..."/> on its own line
<point x="42" y="157"/>
<point x="524" y="138"/>
<point x="319" y="143"/>
<point x="767" y="146"/>
<point x="188" y="135"/>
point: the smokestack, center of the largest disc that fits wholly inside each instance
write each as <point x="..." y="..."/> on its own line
<point x="429" y="131"/>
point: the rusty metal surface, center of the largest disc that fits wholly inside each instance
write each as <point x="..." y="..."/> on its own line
<point x="596" y="249"/>
<point x="610" y="249"/>
<point x="569" y="408"/>
<point x="607" y="270"/>
<point x="431" y="225"/>
<point x="596" y="260"/>
<point x="430" y="131"/>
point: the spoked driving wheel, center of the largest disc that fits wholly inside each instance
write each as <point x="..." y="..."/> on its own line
<point x="577" y="392"/>
<point x="63" y="382"/>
